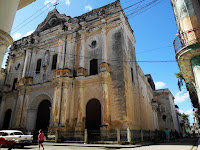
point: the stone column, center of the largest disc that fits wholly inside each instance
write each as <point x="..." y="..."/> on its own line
<point x="53" y="106"/>
<point x="26" y="63"/>
<point x="57" y="103"/>
<point x="106" y="98"/>
<point x="68" y="52"/>
<point x="3" y="47"/>
<point x="2" y="112"/>
<point x="82" y="51"/>
<point x="19" y="107"/>
<point x="61" y="52"/>
<point x="8" y="10"/>
<point x="65" y="109"/>
<point x="80" y="103"/>
<point x="25" y="108"/>
<point x="196" y="71"/>
<point x="104" y="46"/>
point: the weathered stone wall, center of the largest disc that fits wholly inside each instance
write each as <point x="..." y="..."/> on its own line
<point x="120" y="86"/>
<point x="164" y="97"/>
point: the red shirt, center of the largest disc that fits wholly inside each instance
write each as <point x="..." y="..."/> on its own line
<point x="41" y="137"/>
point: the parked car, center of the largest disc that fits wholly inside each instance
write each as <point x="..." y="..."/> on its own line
<point x="17" y="136"/>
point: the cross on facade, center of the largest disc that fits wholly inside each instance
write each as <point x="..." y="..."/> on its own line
<point x="56" y="3"/>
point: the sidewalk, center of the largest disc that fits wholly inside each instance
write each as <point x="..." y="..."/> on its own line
<point x="99" y="145"/>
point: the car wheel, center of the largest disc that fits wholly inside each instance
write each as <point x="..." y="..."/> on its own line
<point x="22" y="146"/>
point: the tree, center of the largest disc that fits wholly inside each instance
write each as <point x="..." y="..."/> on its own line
<point x="180" y="79"/>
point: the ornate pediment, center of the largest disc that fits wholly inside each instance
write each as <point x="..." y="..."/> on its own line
<point x="53" y="19"/>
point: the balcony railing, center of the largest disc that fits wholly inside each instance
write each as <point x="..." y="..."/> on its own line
<point x="186" y="38"/>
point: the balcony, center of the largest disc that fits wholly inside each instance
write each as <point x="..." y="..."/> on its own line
<point x="186" y="38"/>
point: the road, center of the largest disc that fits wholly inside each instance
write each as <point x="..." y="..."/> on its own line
<point x="182" y="144"/>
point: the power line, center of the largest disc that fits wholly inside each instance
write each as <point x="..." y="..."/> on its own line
<point x="100" y="31"/>
<point x="138" y="61"/>
<point x="32" y="19"/>
<point x="31" y="16"/>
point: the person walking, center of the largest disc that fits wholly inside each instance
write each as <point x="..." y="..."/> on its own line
<point x="41" y="139"/>
<point x="167" y="132"/>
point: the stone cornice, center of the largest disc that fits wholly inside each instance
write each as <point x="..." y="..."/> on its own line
<point x="5" y="38"/>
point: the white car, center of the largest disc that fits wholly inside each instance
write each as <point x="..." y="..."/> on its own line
<point x="17" y="136"/>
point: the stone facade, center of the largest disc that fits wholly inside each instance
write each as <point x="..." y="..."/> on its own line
<point x="167" y="116"/>
<point x="83" y="72"/>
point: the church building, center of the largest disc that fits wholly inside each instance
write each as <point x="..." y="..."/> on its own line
<point x="78" y="73"/>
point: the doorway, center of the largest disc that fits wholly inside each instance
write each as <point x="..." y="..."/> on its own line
<point x="93" y="119"/>
<point x="43" y="116"/>
<point x="7" y="117"/>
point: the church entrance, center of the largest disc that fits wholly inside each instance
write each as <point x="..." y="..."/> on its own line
<point x="93" y="119"/>
<point x="7" y="117"/>
<point x="43" y="116"/>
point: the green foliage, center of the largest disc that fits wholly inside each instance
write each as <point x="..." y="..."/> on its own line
<point x="184" y="116"/>
<point x="180" y="78"/>
<point x="179" y="75"/>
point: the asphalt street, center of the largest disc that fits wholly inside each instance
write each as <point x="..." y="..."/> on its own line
<point x="182" y="144"/>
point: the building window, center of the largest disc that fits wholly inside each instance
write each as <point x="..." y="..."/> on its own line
<point x="132" y="75"/>
<point x="38" y="66"/>
<point x="93" y="67"/>
<point x="93" y="44"/>
<point x="14" y="82"/>
<point x="164" y="117"/>
<point x="54" y="62"/>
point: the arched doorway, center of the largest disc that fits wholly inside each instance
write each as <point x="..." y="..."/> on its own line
<point x="93" y="119"/>
<point x="43" y="116"/>
<point x="7" y="117"/>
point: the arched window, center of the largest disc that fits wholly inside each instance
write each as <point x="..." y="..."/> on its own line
<point x="54" y="62"/>
<point x="93" y="67"/>
<point x="38" y="66"/>
<point x="14" y="82"/>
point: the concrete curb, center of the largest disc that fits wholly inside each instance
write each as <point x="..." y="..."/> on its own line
<point x="99" y="145"/>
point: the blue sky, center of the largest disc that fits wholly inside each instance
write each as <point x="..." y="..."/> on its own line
<point x="154" y="30"/>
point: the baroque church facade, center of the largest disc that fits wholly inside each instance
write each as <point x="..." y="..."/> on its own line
<point x="78" y="73"/>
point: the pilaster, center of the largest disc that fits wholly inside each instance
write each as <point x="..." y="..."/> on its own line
<point x="80" y="122"/>
<point x="65" y="108"/>
<point x="58" y="102"/>
<point x="104" y="45"/>
<point x="61" y="52"/>
<point x="82" y="50"/>
<point x="25" y="108"/>
<point x="19" y="106"/>
<point x="1" y="111"/>
<point x="27" y="60"/>
<point x="105" y="82"/>
<point x="69" y="54"/>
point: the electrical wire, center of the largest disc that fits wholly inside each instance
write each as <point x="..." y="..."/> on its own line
<point x="47" y="5"/>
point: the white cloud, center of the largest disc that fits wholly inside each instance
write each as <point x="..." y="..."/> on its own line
<point x="160" y="85"/>
<point x="181" y="111"/>
<point x="181" y="97"/>
<point x="16" y="36"/>
<point x="49" y="2"/>
<point x="189" y="112"/>
<point x="67" y="2"/>
<point x="88" y="8"/>
<point x="29" y="33"/>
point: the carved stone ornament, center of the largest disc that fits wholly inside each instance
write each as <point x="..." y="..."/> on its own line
<point x="46" y="59"/>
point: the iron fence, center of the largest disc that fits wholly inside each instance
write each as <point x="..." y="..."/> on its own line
<point x="107" y="136"/>
<point x="71" y="136"/>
